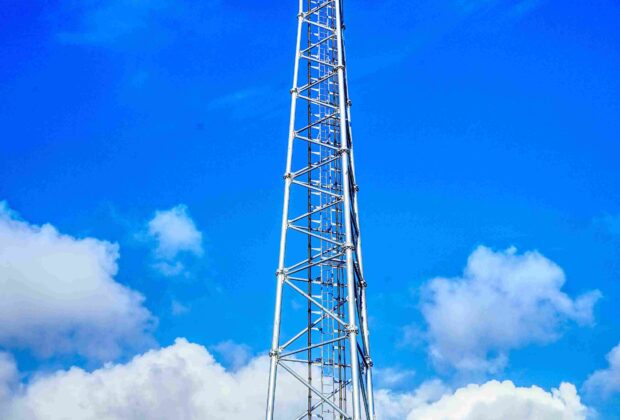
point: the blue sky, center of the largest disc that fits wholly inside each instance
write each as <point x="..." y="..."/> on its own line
<point x="476" y="123"/>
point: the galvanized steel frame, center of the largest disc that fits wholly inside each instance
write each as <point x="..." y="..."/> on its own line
<point x="337" y="321"/>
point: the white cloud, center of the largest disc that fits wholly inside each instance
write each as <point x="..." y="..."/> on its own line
<point x="606" y="382"/>
<point x="169" y="269"/>
<point x="174" y="233"/>
<point x="9" y="377"/>
<point x="503" y="400"/>
<point x="184" y="382"/>
<point x="391" y="377"/>
<point x="178" y="308"/>
<point x="59" y="294"/>
<point x="502" y="301"/>
<point x="390" y="405"/>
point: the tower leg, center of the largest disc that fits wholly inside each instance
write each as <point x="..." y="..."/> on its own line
<point x="346" y="176"/>
<point x="363" y="301"/>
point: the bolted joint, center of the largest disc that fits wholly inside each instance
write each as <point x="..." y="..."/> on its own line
<point x="288" y="175"/>
<point x="356" y="188"/>
<point x="351" y="329"/>
<point x="280" y="272"/>
<point x="349" y="245"/>
<point x="275" y="353"/>
<point x="363" y="284"/>
<point x="343" y="150"/>
<point x="369" y="361"/>
<point x="301" y="15"/>
<point x="294" y="90"/>
<point x="349" y="103"/>
<point x="339" y="67"/>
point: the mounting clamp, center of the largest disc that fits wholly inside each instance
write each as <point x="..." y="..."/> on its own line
<point x="351" y="329"/>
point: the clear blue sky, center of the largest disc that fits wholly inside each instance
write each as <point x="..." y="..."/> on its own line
<point x="478" y="122"/>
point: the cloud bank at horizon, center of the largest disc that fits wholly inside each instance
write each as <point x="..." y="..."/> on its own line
<point x="60" y="296"/>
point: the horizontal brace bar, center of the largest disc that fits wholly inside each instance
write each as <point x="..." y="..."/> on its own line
<point x="317" y="189"/>
<point x="302" y="280"/>
<point x="333" y="36"/>
<point x="304" y="261"/>
<point x="319" y="25"/>
<point x="316" y="60"/>
<point x="318" y="262"/>
<point x="317" y="102"/>
<point x="317" y="210"/>
<point x="313" y="346"/>
<point x="314" y="235"/>
<point x="305" y="362"/>
<point x="314" y="166"/>
<point x="320" y="121"/>
<point x="316" y="82"/>
<point x="319" y="7"/>
<point x="318" y="143"/>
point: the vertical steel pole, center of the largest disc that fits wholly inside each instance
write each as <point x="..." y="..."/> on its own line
<point x="360" y="261"/>
<point x="275" y="341"/>
<point x="351" y="294"/>
<point x="309" y="208"/>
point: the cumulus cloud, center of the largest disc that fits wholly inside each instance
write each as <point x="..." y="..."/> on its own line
<point x="606" y="382"/>
<point x="503" y="400"/>
<point x="9" y="377"/>
<point x="503" y="300"/>
<point x="174" y="233"/>
<point x="184" y="381"/>
<point x="59" y="294"/>
<point x="390" y="405"/>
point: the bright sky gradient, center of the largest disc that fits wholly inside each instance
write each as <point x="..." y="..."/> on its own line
<point x="484" y="129"/>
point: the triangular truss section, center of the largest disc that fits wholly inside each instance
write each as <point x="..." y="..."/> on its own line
<point x="326" y="346"/>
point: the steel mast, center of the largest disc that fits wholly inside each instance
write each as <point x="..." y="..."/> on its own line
<point x="320" y="260"/>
